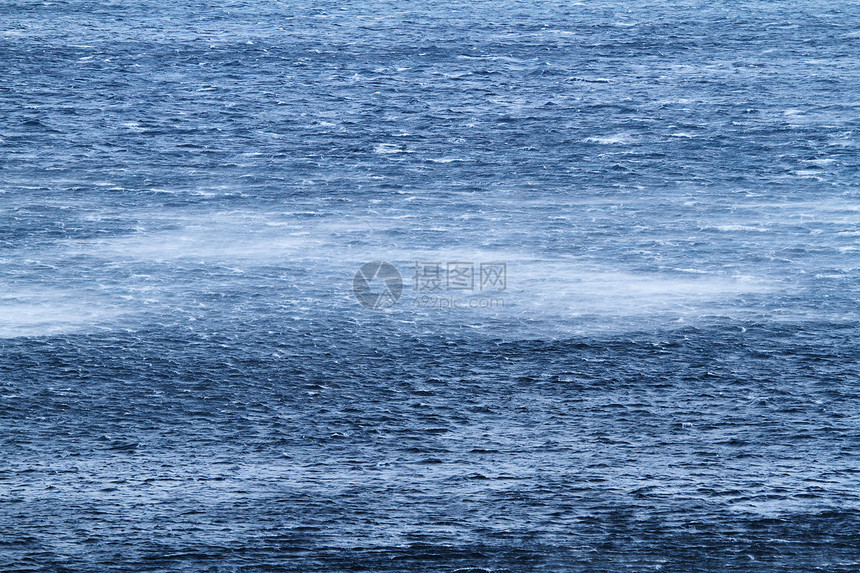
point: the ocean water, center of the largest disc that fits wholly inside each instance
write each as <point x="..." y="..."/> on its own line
<point x="623" y="336"/>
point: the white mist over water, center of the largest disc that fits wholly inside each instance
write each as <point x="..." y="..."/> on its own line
<point x="167" y="261"/>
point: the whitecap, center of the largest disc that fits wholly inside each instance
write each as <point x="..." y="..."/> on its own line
<point x="390" y="148"/>
<point x="617" y="139"/>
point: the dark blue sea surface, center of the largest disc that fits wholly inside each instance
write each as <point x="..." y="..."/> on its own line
<point x="659" y="374"/>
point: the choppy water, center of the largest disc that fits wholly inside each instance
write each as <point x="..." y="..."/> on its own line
<point x="668" y="380"/>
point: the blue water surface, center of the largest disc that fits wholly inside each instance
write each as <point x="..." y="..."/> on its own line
<point x="665" y="380"/>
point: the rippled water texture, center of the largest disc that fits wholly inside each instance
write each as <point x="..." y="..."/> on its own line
<point x="667" y="379"/>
